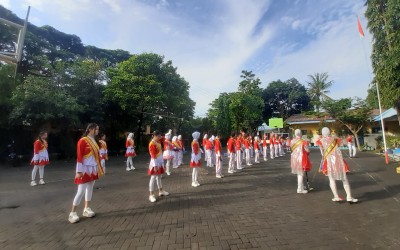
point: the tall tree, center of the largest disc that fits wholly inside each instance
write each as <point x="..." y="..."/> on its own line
<point x="318" y="88"/>
<point x="352" y="113"/>
<point x="150" y="91"/>
<point x="283" y="99"/>
<point x="220" y="114"/>
<point x="384" y="24"/>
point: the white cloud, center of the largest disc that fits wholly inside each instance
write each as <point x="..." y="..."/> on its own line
<point x="338" y="51"/>
<point x="113" y="4"/>
<point x="5" y="3"/>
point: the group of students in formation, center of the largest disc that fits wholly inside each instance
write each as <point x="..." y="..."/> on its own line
<point x="167" y="150"/>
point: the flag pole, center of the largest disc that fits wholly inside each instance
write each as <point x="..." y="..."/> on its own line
<point x="360" y="30"/>
<point x="382" y="124"/>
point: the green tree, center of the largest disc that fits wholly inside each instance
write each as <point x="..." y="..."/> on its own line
<point x="39" y="101"/>
<point x="352" y="113"/>
<point x="384" y="24"/>
<point x="283" y="99"/>
<point x="318" y="89"/>
<point x="220" y="114"/>
<point x="150" y="91"/>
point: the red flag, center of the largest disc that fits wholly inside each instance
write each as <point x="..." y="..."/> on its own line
<point x="360" y="30"/>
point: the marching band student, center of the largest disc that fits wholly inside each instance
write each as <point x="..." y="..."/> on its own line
<point x="130" y="152"/>
<point x="213" y="157"/>
<point x="256" y="150"/>
<point x="238" y="148"/>
<point x="264" y="145"/>
<point x="334" y="166"/>
<point x="88" y="170"/>
<point x="103" y="151"/>
<point x="209" y="147"/>
<point x="182" y="149"/>
<point x="218" y="157"/>
<point x="299" y="161"/>
<point x="231" y="153"/>
<point x="351" y="145"/>
<point x="40" y="158"/>
<point x="280" y="146"/>
<point x="246" y="143"/>
<point x="156" y="166"/>
<point x="204" y="143"/>
<point x="288" y="141"/>
<point x="168" y="155"/>
<point x="195" y="160"/>
<point x="271" y="145"/>
<point x="276" y="145"/>
<point x="175" y="152"/>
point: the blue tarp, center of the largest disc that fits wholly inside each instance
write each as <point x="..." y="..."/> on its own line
<point x="387" y="114"/>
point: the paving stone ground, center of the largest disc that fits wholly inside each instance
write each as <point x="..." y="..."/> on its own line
<point x="257" y="208"/>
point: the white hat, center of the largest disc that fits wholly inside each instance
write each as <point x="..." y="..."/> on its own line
<point x="196" y="135"/>
<point x="297" y="132"/>
<point x="179" y="137"/>
<point x="205" y="136"/>
<point x="326" y="131"/>
<point x="212" y="138"/>
<point x="130" y="135"/>
<point x="174" y="138"/>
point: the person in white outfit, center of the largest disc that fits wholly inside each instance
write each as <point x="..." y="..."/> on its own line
<point x="299" y="161"/>
<point x="40" y="157"/>
<point x="168" y="153"/>
<point x="231" y="153"/>
<point x="175" y="152"/>
<point x="351" y="145"/>
<point x="130" y="152"/>
<point x="195" y="160"/>
<point x="334" y="166"/>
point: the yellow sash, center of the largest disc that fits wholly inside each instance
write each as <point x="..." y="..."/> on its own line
<point x="96" y="155"/>
<point x="296" y="144"/>
<point x="330" y="148"/>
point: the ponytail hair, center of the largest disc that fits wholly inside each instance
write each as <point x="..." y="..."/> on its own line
<point x="89" y="127"/>
<point x="41" y="133"/>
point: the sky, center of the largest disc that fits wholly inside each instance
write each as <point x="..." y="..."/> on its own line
<point x="212" y="41"/>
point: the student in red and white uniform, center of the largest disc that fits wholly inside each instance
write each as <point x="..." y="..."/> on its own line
<point x="277" y="145"/>
<point x="40" y="158"/>
<point x="130" y="152"/>
<point x="209" y="148"/>
<point x="256" y="150"/>
<point x="182" y="149"/>
<point x="213" y="157"/>
<point x="334" y="166"/>
<point x="231" y="152"/>
<point x="204" y="143"/>
<point x="218" y="157"/>
<point x="288" y="141"/>
<point x="299" y="160"/>
<point x="264" y="145"/>
<point x="246" y="143"/>
<point x="88" y="170"/>
<point x="168" y="153"/>
<point x="351" y="145"/>
<point x="175" y="152"/>
<point x="238" y="148"/>
<point x="195" y="159"/>
<point x="272" y="145"/>
<point x="156" y="166"/>
<point x="103" y="151"/>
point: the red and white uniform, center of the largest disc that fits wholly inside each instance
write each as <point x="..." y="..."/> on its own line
<point x="333" y="163"/>
<point x="299" y="161"/>
<point x="168" y="150"/>
<point x="256" y="150"/>
<point x="218" y="157"/>
<point x="40" y="154"/>
<point x="238" y="147"/>
<point x="130" y="148"/>
<point x="209" y="148"/>
<point x="156" y="166"/>
<point x="88" y="160"/>
<point x="103" y="150"/>
<point x="181" y="149"/>
<point x="231" y="154"/>
<point x="195" y="160"/>
<point x="351" y="145"/>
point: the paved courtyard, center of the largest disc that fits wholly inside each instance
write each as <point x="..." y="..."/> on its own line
<point x="257" y="208"/>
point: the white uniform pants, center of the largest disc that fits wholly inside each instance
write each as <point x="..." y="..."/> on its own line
<point x="84" y="189"/>
<point x="346" y="186"/>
